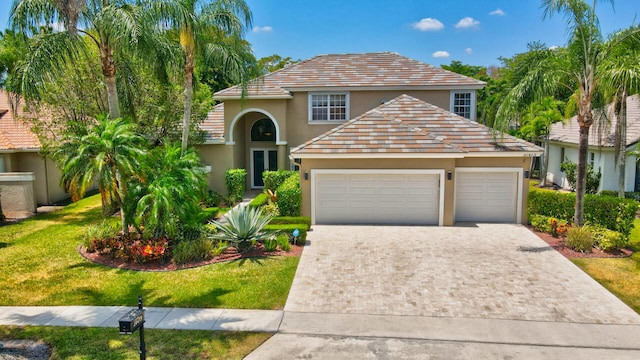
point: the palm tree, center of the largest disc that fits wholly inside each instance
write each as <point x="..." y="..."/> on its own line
<point x="201" y="26"/>
<point x="576" y="69"/>
<point x="111" y="25"/>
<point x="621" y="77"/>
<point x="104" y="155"/>
<point x="537" y="125"/>
<point x="172" y="190"/>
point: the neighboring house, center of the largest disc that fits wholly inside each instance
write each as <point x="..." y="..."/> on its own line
<point x="27" y="179"/>
<point x="563" y="145"/>
<point x="376" y="139"/>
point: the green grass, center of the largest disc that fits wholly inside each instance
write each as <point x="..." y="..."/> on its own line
<point x="620" y="276"/>
<point x="533" y="186"/>
<point x="41" y="266"/>
<point x="107" y="344"/>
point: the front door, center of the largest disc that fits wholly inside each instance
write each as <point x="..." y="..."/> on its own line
<point x="262" y="160"/>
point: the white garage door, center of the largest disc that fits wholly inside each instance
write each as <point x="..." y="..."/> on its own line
<point x="486" y="196"/>
<point x="357" y="197"/>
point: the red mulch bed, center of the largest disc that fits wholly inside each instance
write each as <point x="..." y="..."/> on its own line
<point x="558" y="243"/>
<point x="229" y="255"/>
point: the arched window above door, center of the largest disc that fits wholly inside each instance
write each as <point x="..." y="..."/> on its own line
<point x="263" y="130"/>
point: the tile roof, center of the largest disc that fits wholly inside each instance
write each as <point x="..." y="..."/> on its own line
<point x="353" y="70"/>
<point x="14" y="133"/>
<point x="569" y="132"/>
<point x="408" y="125"/>
<point x="213" y="125"/>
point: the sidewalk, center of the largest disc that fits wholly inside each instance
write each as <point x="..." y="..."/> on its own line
<point x="155" y="317"/>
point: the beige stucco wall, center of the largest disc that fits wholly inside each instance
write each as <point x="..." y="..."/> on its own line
<point x="446" y="164"/>
<point x="47" y="188"/>
<point x="17" y="194"/>
<point x="220" y="158"/>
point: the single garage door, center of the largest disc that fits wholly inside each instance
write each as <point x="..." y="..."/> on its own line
<point x="357" y="197"/>
<point x="486" y="196"/>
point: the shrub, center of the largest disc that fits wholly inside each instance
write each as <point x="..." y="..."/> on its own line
<point x="608" y="240"/>
<point x="571" y="170"/>
<point x="288" y="229"/>
<point x="259" y="200"/>
<point x="292" y="220"/>
<point x="558" y="227"/>
<point x="133" y="248"/>
<point x="270" y="245"/>
<point x="540" y="223"/>
<point x="196" y="250"/>
<point x="273" y="179"/>
<point x="290" y="196"/>
<point x="235" y="182"/>
<point x="580" y="238"/>
<point x="96" y="233"/>
<point x="609" y="212"/>
<point x="215" y="199"/>
<point x="271" y="209"/>
<point x="283" y="242"/>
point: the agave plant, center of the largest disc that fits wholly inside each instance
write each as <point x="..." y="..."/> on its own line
<point x="243" y="227"/>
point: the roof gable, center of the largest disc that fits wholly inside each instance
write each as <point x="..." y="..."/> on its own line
<point x="408" y="125"/>
<point x="385" y="69"/>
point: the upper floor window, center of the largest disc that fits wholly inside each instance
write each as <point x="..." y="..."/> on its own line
<point x="263" y="130"/>
<point x="463" y="103"/>
<point x="328" y="106"/>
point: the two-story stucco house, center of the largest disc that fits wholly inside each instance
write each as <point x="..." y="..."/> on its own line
<point x="377" y="138"/>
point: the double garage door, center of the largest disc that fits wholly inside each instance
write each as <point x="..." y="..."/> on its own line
<point x="412" y="197"/>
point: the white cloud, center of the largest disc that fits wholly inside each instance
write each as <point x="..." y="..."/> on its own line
<point x="498" y="12"/>
<point x="428" y="24"/>
<point x="440" y="54"/>
<point x="554" y="47"/>
<point x="467" y="23"/>
<point x="257" y="29"/>
<point x="468" y="51"/>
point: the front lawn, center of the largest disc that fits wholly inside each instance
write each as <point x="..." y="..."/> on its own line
<point x="620" y="276"/>
<point x="41" y="266"/>
<point x="108" y="344"/>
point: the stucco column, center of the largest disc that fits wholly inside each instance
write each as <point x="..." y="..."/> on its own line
<point x="282" y="158"/>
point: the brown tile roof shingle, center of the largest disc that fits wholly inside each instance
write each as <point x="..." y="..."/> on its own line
<point x="213" y="125"/>
<point x="569" y="132"/>
<point x="408" y="125"/>
<point x="354" y="70"/>
<point x="14" y="134"/>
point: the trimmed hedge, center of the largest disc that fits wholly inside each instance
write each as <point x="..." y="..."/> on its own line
<point x="235" y="181"/>
<point x="288" y="229"/>
<point x="612" y="213"/>
<point x="273" y="179"/>
<point x="627" y="195"/>
<point x="259" y="200"/>
<point x="278" y="220"/>
<point x="290" y="196"/>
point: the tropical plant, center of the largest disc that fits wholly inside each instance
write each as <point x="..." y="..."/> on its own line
<point x="242" y="227"/>
<point x="593" y="178"/>
<point x="576" y="68"/>
<point x="107" y="154"/>
<point x="212" y="28"/>
<point x="621" y="77"/>
<point x="171" y="191"/>
<point x="112" y="26"/>
<point x="536" y="126"/>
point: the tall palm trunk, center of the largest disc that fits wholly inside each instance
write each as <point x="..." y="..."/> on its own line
<point x="581" y="174"/>
<point x="622" y="146"/>
<point x="187" y="41"/>
<point x="545" y="163"/>
<point x="109" y="73"/>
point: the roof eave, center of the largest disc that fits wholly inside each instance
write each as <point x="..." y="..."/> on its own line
<point x="252" y="97"/>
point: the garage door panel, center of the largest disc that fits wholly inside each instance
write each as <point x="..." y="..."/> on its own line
<point x="377" y="198"/>
<point x="486" y="196"/>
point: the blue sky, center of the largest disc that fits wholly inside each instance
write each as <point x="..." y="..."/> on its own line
<point x="476" y="32"/>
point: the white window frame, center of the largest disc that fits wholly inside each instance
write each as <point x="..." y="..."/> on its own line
<point x="472" y="110"/>
<point x="327" y="121"/>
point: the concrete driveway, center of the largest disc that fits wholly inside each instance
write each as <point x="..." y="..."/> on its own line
<point x="477" y="291"/>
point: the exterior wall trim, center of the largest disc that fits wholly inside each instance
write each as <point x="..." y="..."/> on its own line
<point x="17" y="176"/>
<point x="262" y="111"/>
<point x="439" y="172"/>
